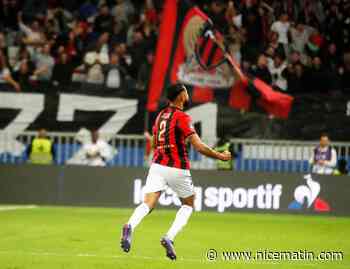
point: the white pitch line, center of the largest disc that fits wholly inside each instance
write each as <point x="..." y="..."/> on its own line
<point x="126" y="256"/>
<point x="16" y="207"/>
<point x="87" y="255"/>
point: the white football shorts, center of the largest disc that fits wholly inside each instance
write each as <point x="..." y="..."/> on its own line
<point x="160" y="177"/>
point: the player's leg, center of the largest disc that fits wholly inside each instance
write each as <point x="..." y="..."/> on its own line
<point x="155" y="184"/>
<point x="143" y="209"/>
<point x="184" y="188"/>
<point x="139" y="213"/>
<point x="182" y="217"/>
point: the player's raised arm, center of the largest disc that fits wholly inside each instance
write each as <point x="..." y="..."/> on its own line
<point x="204" y="149"/>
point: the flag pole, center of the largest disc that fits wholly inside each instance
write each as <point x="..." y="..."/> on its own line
<point x="237" y="71"/>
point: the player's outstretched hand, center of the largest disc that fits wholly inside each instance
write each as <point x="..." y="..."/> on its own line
<point x="225" y="156"/>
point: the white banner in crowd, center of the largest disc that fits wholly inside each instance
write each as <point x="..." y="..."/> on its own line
<point x="32" y="105"/>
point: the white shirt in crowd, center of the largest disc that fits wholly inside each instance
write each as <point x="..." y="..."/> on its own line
<point x="31" y="35"/>
<point x="282" y="29"/>
<point x="238" y="20"/>
<point x="4" y="73"/>
<point x="95" y="74"/>
<point x="276" y="73"/>
<point x="44" y="61"/>
<point x="300" y="39"/>
<point x="94" y="62"/>
<point x="113" y="78"/>
<point x="99" y="152"/>
<point x="328" y="167"/>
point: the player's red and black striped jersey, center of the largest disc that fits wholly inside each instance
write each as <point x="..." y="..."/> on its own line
<point x="170" y="131"/>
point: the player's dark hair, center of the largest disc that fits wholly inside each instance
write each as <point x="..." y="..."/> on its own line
<point x="324" y="135"/>
<point x="174" y="90"/>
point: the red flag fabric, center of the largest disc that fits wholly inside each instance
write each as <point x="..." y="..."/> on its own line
<point x="202" y="95"/>
<point x="274" y="102"/>
<point x="239" y="97"/>
<point x="163" y="54"/>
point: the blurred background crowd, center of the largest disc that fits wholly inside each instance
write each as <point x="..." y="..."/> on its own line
<point x="298" y="46"/>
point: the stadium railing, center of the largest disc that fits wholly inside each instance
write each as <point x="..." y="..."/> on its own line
<point x="128" y="151"/>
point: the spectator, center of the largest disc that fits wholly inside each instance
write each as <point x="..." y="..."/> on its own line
<point x="217" y="14"/>
<point x="269" y="52"/>
<point x="59" y="18"/>
<point x="74" y="45"/>
<point x="273" y="41"/>
<point x="297" y="78"/>
<point x="150" y="11"/>
<point x="276" y="68"/>
<point x="294" y="58"/>
<point x="149" y="32"/>
<point x="324" y="158"/>
<point x="23" y="72"/>
<point x="122" y="11"/>
<point x="103" y="21"/>
<point x="337" y="24"/>
<point x="274" y="47"/>
<point x="96" y="58"/>
<point x="282" y="28"/>
<point x="62" y="71"/>
<point x="97" y="152"/>
<point x="234" y="40"/>
<point x="33" y="34"/>
<point x="299" y="37"/>
<point x="261" y="70"/>
<point x="101" y="46"/>
<point x="315" y="43"/>
<point x="331" y="58"/>
<point x="138" y="52"/>
<point x="114" y="73"/>
<point x="224" y="145"/>
<point x="87" y="10"/>
<point x="94" y="68"/>
<point x="41" y="150"/>
<point x="253" y="29"/>
<point x="233" y="16"/>
<point x="8" y="14"/>
<point x="6" y="80"/>
<point x="319" y="79"/>
<point x="135" y="23"/>
<point x="144" y="74"/>
<point x="118" y="33"/>
<point x="316" y="8"/>
<point x="23" y="54"/>
<point x="35" y="8"/>
<point x="44" y="63"/>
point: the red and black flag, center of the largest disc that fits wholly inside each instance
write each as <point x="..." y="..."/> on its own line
<point x="192" y="52"/>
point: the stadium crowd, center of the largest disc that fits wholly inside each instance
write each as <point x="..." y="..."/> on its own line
<point x="296" y="45"/>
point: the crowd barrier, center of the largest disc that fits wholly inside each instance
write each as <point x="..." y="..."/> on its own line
<point x="251" y="155"/>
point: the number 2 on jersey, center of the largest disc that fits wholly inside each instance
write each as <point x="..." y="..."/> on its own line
<point x="162" y="128"/>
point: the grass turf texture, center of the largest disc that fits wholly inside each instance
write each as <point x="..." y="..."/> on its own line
<point x="63" y="237"/>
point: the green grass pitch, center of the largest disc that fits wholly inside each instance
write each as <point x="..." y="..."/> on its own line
<point x="86" y="238"/>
